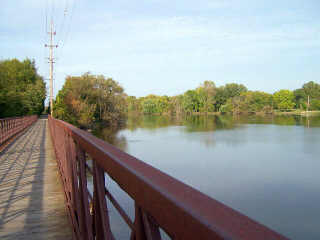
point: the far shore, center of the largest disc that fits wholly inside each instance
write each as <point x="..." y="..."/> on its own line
<point x="300" y="113"/>
<point x="277" y="113"/>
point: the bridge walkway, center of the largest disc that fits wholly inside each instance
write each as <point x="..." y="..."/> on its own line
<point x="31" y="194"/>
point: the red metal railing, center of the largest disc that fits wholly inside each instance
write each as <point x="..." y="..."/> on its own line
<point x="160" y="200"/>
<point x="11" y="126"/>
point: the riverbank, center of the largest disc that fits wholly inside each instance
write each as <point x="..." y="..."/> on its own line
<point x="298" y="112"/>
<point x="277" y="113"/>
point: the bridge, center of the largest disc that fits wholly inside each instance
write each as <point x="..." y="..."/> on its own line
<point x="44" y="166"/>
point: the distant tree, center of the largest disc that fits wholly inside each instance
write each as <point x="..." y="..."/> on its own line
<point x="163" y="104"/>
<point x="133" y="104"/>
<point x="283" y="100"/>
<point x="233" y="89"/>
<point x="220" y="98"/>
<point x="149" y="104"/>
<point x="227" y="107"/>
<point x="256" y="101"/>
<point x="176" y="104"/>
<point x="191" y="101"/>
<point x="315" y="104"/>
<point x="310" y="89"/>
<point x="226" y="92"/>
<point x="90" y="99"/>
<point x="206" y="94"/>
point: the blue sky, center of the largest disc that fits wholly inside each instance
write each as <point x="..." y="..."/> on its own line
<point x="168" y="47"/>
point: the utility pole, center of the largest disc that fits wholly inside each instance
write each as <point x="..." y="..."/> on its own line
<point x="308" y="104"/>
<point x="51" y="62"/>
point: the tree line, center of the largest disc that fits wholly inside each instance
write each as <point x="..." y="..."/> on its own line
<point x="89" y="101"/>
<point x="230" y="98"/>
<point x="22" y="89"/>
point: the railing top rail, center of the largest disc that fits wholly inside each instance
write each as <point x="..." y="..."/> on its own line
<point x="182" y="211"/>
<point x="12" y="118"/>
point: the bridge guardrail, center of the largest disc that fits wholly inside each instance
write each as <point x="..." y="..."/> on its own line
<point x="160" y="200"/>
<point x="11" y="126"/>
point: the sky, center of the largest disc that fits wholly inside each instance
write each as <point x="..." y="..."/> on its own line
<point x="167" y="47"/>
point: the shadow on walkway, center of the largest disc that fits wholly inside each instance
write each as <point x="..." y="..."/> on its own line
<point x="31" y="197"/>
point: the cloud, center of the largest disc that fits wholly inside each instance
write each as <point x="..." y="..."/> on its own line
<point x="184" y="39"/>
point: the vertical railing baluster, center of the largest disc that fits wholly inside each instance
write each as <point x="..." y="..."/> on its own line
<point x="12" y="126"/>
<point x="69" y="185"/>
<point x="145" y="227"/>
<point x="1" y="131"/>
<point x="101" y="216"/>
<point x="151" y="228"/>
<point x="84" y="211"/>
<point x="138" y="233"/>
<point x="75" y="195"/>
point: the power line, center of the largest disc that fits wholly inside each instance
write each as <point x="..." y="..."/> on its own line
<point x="45" y="28"/>
<point x="65" y="11"/>
<point x="52" y="9"/>
<point x="46" y="14"/>
<point x="70" y="23"/>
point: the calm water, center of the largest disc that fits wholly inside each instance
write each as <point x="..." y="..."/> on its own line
<point x="265" y="167"/>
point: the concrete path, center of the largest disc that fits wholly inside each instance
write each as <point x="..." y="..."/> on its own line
<point x="31" y="196"/>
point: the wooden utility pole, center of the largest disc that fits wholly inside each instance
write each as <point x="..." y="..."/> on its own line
<point x="308" y="105"/>
<point x="51" y="62"/>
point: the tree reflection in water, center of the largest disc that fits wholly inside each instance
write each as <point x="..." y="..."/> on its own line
<point x="198" y="123"/>
<point x="110" y="135"/>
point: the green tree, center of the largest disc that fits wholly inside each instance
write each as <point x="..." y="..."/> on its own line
<point x="176" y="105"/>
<point x="133" y="104"/>
<point x="22" y="89"/>
<point x="256" y="101"/>
<point x="283" y="100"/>
<point x="90" y="99"/>
<point x="310" y="89"/>
<point x="149" y="104"/>
<point x="233" y="89"/>
<point x="206" y="94"/>
<point x="226" y="92"/>
<point x="191" y="101"/>
<point x="163" y="104"/>
<point x="315" y="104"/>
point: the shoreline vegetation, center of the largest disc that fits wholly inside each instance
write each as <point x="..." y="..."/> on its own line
<point x="91" y="102"/>
<point x="232" y="98"/>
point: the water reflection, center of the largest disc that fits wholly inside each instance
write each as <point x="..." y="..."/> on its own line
<point x="110" y="135"/>
<point x="208" y="128"/>
<point x="203" y="123"/>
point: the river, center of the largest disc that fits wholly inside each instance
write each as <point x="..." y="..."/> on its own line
<point x="266" y="167"/>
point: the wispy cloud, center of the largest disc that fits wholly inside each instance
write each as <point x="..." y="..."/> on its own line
<point x="145" y="42"/>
